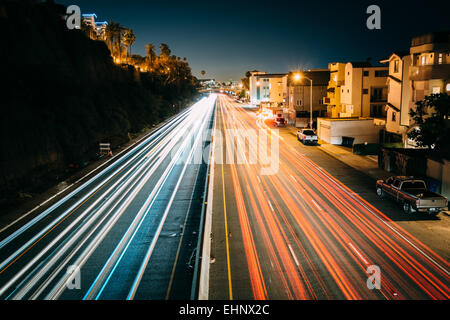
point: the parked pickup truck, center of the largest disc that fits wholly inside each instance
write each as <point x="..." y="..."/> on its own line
<point x="412" y="194"/>
<point x="307" y="136"/>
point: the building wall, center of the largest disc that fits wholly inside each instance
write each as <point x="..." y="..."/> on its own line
<point x="358" y="91"/>
<point x="441" y="172"/>
<point x="430" y="68"/>
<point x="399" y="95"/>
<point x="337" y="79"/>
<point x="269" y="88"/>
<point x="362" y="130"/>
<point x="254" y="88"/>
<point x="298" y="98"/>
<point x="276" y="92"/>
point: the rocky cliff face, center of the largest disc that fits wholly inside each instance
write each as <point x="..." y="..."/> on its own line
<point x="62" y="95"/>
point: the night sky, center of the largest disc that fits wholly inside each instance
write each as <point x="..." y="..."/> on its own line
<point x="228" y="38"/>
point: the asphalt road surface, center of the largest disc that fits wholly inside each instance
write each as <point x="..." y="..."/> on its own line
<point x="284" y="227"/>
<point x="130" y="232"/>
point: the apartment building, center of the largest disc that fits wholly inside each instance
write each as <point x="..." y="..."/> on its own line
<point x="268" y="89"/>
<point x="298" y="97"/>
<point x="364" y="92"/>
<point x="333" y="97"/>
<point x="100" y="28"/>
<point x="430" y="68"/>
<point x="255" y="87"/>
<point x="399" y="96"/>
<point x="413" y="75"/>
<point x="89" y="19"/>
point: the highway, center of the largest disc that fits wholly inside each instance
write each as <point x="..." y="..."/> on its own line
<point x="129" y="232"/>
<point x="284" y="227"/>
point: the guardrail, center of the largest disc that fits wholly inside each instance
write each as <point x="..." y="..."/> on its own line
<point x="200" y="242"/>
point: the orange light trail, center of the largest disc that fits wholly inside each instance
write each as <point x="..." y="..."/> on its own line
<point x="313" y="236"/>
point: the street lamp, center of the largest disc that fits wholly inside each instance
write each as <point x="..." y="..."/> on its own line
<point x="298" y="77"/>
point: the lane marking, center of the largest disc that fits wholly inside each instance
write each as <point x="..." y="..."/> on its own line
<point x="230" y="288"/>
<point x="270" y="204"/>
<point x="317" y="206"/>
<point x="149" y="252"/>
<point x="357" y="252"/>
<point x="293" y="255"/>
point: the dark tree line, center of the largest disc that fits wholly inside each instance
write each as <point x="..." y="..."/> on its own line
<point x="64" y="95"/>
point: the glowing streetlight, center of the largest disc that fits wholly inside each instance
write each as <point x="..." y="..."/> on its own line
<point x="297" y="76"/>
<point x="258" y="83"/>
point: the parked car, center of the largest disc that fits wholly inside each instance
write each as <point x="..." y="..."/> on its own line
<point x="412" y="194"/>
<point x="307" y="136"/>
<point x="280" y="122"/>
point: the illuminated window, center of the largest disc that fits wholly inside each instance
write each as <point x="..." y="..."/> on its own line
<point x="436" y="90"/>
<point x="440" y="58"/>
<point x="447" y="87"/>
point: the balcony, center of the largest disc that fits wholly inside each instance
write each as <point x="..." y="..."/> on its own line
<point x="428" y="72"/>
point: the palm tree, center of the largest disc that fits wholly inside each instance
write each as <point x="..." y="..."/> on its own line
<point x="109" y="36"/>
<point x="128" y="39"/>
<point x="165" y="51"/>
<point x="151" y="54"/>
<point x="113" y="35"/>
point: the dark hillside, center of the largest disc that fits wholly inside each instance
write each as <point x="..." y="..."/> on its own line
<point x="62" y="94"/>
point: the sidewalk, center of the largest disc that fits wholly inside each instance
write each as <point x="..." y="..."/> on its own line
<point x="365" y="164"/>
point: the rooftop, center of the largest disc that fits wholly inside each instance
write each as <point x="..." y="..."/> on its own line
<point x="433" y="37"/>
<point x="87" y="15"/>
<point x="318" y="77"/>
<point x="271" y="75"/>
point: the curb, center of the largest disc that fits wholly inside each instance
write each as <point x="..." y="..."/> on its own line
<point x="203" y="290"/>
<point x="331" y="154"/>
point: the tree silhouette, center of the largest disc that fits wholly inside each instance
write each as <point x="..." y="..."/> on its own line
<point x="432" y="117"/>
<point x="165" y="51"/>
<point x="128" y="39"/>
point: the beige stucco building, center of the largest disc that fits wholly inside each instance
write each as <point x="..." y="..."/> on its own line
<point x="333" y="97"/>
<point x="269" y="89"/>
<point x="364" y="92"/>
<point x="399" y="96"/>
